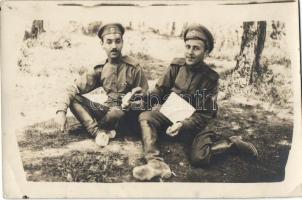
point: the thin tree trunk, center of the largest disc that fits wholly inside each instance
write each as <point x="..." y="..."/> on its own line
<point x="256" y="68"/>
<point x="36" y="29"/>
<point x="172" y="29"/>
<point x="252" y="44"/>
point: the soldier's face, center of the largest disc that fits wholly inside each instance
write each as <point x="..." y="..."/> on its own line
<point x="112" y="44"/>
<point x="194" y="51"/>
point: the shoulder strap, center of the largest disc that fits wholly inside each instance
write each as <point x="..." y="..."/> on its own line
<point x="178" y="61"/>
<point x="98" y="68"/>
<point x="130" y="60"/>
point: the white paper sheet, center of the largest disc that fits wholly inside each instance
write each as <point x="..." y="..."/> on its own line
<point x="176" y="108"/>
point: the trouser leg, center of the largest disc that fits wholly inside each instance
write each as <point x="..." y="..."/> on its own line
<point x="111" y="119"/>
<point x="149" y="139"/>
<point x="151" y="123"/>
<point x="128" y="125"/>
<point x="208" y="144"/>
<point x="87" y="113"/>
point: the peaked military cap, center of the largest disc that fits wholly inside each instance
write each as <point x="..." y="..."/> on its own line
<point x="111" y="29"/>
<point x="199" y="32"/>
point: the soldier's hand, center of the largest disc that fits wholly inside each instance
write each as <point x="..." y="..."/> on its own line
<point x="174" y="129"/>
<point x="61" y="120"/>
<point x="126" y="101"/>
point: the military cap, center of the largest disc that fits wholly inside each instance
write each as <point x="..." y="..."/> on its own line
<point x="199" y="32"/>
<point x="111" y="29"/>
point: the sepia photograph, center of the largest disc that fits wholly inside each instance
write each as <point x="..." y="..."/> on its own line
<point x="149" y="92"/>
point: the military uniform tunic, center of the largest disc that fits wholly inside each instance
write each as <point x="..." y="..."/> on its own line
<point x="197" y="84"/>
<point x="116" y="81"/>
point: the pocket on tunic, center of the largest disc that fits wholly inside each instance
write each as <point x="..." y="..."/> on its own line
<point x="124" y="87"/>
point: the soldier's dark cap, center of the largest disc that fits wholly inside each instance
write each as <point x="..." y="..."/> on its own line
<point x="114" y="28"/>
<point x="199" y="32"/>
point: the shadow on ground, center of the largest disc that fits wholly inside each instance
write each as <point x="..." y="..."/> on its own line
<point x="49" y="155"/>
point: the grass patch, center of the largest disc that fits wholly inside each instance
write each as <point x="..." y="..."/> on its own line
<point x="271" y="135"/>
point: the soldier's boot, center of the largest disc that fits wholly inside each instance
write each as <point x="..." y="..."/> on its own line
<point x="89" y="123"/>
<point x="206" y="145"/>
<point x="155" y="166"/>
<point x="244" y="148"/>
<point x="102" y="137"/>
<point x="221" y="146"/>
<point x="204" y="148"/>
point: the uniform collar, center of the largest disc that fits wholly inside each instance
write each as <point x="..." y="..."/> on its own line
<point x="121" y="59"/>
<point x="200" y="66"/>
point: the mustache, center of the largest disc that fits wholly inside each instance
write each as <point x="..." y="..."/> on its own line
<point x="114" y="51"/>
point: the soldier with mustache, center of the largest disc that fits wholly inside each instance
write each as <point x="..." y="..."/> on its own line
<point x="186" y="76"/>
<point x="118" y="75"/>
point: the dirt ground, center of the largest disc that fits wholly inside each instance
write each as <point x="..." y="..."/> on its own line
<point x="49" y="155"/>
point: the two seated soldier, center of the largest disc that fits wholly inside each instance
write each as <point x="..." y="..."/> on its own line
<point x="121" y="77"/>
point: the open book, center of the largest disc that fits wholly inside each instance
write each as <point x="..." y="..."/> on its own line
<point x="176" y="108"/>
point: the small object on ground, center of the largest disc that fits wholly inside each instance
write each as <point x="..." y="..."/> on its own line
<point x="173" y="173"/>
<point x="69" y="177"/>
<point x="235" y="126"/>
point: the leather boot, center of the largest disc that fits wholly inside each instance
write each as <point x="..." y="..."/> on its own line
<point x="84" y="117"/>
<point x="244" y="148"/>
<point x="221" y="146"/>
<point x="149" y="139"/>
<point x="89" y="122"/>
<point x="154" y="168"/>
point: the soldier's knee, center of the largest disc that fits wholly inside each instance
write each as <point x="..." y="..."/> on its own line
<point x="201" y="158"/>
<point x="77" y="101"/>
<point x="115" y="114"/>
<point x="78" y="98"/>
<point x="76" y="106"/>
<point x="145" y="116"/>
<point x="148" y="118"/>
<point x="112" y="119"/>
<point x="201" y="149"/>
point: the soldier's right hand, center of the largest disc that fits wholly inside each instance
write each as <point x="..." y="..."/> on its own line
<point x="61" y="120"/>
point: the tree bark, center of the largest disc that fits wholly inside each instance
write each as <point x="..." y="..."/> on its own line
<point x="252" y="44"/>
<point x="173" y="29"/>
<point x="36" y="29"/>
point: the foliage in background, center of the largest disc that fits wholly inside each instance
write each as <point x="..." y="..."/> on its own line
<point x="67" y="56"/>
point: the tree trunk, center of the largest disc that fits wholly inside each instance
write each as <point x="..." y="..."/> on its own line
<point x="36" y="29"/>
<point x="172" y="29"/>
<point x="185" y="25"/>
<point x="252" y="44"/>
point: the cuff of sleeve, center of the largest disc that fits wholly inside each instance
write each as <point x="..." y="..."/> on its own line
<point x="62" y="107"/>
<point x="185" y="124"/>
